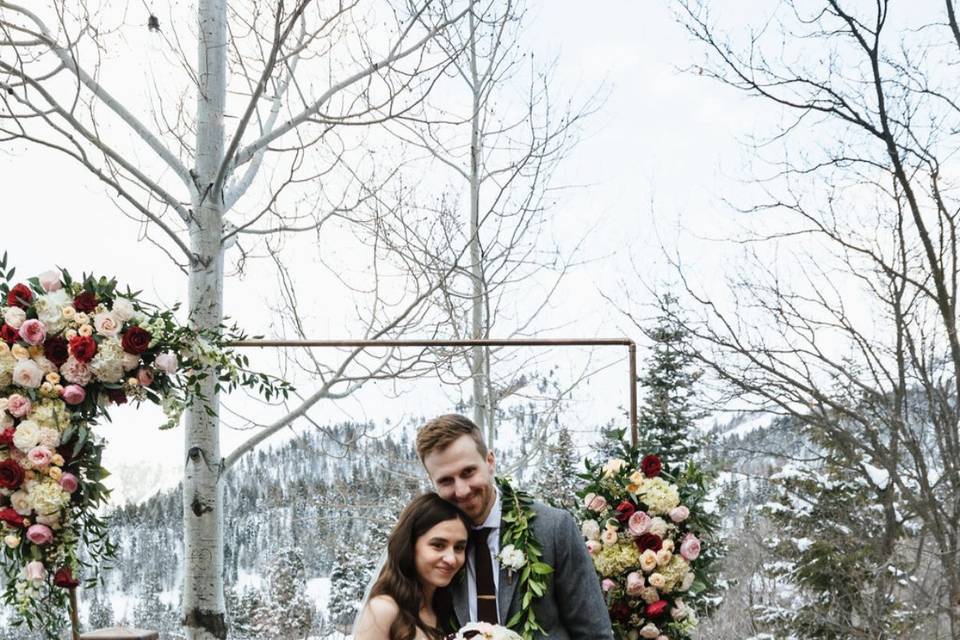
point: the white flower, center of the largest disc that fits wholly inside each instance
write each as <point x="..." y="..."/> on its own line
<point x="512" y="558"/>
<point x="50" y="310"/>
<point x="20" y="502"/>
<point x="658" y="527"/>
<point x="47" y="497"/>
<point x="49" y="438"/>
<point x="123" y="309"/>
<point x="649" y="631"/>
<point x="107" y="364"/>
<point x="27" y="435"/>
<point x="687" y="581"/>
<point x="107" y="324"/>
<point x="27" y="374"/>
<point x="590" y="530"/>
<point x="130" y="361"/>
<point x="14" y="316"/>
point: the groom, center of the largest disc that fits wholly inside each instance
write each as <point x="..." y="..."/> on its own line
<point x="461" y="468"/>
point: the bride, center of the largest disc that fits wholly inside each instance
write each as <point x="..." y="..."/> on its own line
<point x="410" y="599"/>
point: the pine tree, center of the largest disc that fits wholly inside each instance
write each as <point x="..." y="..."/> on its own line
<point x="346" y="588"/>
<point x="249" y="614"/>
<point x="291" y="610"/>
<point x="557" y="480"/>
<point x="150" y="612"/>
<point x="667" y="416"/>
<point x="100" y="614"/>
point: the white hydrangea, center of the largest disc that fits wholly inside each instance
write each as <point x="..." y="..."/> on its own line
<point x="107" y="364"/>
<point x="50" y="310"/>
<point x="51" y="413"/>
<point x="47" y="497"/>
<point x="7" y="363"/>
<point x="659" y="495"/>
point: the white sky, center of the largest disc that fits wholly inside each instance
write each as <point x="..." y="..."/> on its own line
<point x="657" y="158"/>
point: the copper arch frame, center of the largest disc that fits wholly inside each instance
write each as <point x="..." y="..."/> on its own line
<point x="523" y="342"/>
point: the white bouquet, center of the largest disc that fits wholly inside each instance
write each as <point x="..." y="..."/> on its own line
<point x="484" y="631"/>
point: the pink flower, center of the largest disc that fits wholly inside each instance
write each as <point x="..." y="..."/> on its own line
<point x="598" y="504"/>
<point x="39" y="456"/>
<point x="607" y="584"/>
<point x="73" y="394"/>
<point x="107" y="324"/>
<point x="634" y="583"/>
<point x="27" y="374"/>
<point x="593" y="547"/>
<point x="639" y="524"/>
<point x="145" y="376"/>
<point x="679" y="514"/>
<point x="690" y="547"/>
<point x="50" y="281"/>
<point x="18" y="405"/>
<point x="35" y="571"/>
<point x="69" y="482"/>
<point x="166" y="362"/>
<point x="33" y="332"/>
<point x="75" y="371"/>
<point x="39" y="534"/>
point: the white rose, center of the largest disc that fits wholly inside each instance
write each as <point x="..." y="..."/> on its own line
<point x="123" y="309"/>
<point x="27" y="374"/>
<point x="50" y="281"/>
<point x="609" y="537"/>
<point x="590" y="530"/>
<point x="658" y="527"/>
<point x="512" y="558"/>
<point x="27" y="435"/>
<point x="50" y="310"/>
<point x="649" y="631"/>
<point x="107" y="324"/>
<point x="14" y="316"/>
<point x="20" y="502"/>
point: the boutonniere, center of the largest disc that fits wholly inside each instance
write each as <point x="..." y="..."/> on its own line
<point x="521" y="553"/>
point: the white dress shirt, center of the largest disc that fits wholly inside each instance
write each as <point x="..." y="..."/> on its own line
<point x="493" y="542"/>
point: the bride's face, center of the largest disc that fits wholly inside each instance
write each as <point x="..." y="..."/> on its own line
<point x="440" y="552"/>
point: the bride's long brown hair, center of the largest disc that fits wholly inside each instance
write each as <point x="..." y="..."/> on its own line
<point x="398" y="579"/>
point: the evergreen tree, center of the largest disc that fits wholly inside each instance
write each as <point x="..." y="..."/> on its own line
<point x="249" y="614"/>
<point x="150" y="612"/>
<point x="667" y="415"/>
<point x="557" y="481"/>
<point x="346" y="588"/>
<point x="100" y="613"/>
<point x="291" y="610"/>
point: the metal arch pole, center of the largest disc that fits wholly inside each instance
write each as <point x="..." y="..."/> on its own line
<point x="516" y="342"/>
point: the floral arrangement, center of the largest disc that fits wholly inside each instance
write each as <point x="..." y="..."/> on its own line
<point x="484" y="631"/>
<point x="643" y="529"/>
<point x="68" y="350"/>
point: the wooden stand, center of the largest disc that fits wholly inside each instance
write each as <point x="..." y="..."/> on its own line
<point x="74" y="617"/>
<point x="120" y="633"/>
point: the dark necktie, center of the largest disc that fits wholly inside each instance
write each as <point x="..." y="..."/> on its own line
<point x="486" y="591"/>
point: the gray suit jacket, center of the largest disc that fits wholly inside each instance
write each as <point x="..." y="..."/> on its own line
<point x="573" y="607"/>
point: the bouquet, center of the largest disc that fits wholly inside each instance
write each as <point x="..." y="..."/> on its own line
<point x="484" y="631"/>
<point x="68" y="350"/>
<point x="644" y="535"/>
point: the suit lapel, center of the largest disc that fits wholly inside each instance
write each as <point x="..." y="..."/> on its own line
<point x="460" y="596"/>
<point x="506" y="586"/>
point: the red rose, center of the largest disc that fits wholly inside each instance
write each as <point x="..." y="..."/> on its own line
<point x="6" y="436"/>
<point x="11" y="474"/>
<point x="117" y="396"/>
<point x="624" y="510"/>
<point x="56" y="350"/>
<point x="656" y="609"/>
<point x="8" y="334"/>
<point x="64" y="579"/>
<point x="651" y="466"/>
<point x="649" y="541"/>
<point x="620" y="611"/>
<point x="83" y="348"/>
<point x="20" y="296"/>
<point x="8" y="515"/>
<point x="135" y="340"/>
<point x="85" y="302"/>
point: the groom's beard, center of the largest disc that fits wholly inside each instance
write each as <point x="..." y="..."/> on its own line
<point x="478" y="503"/>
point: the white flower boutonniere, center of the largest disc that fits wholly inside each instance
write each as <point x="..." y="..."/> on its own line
<point x="512" y="558"/>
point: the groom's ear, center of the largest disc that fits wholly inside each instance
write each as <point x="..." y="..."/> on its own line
<point x="491" y="461"/>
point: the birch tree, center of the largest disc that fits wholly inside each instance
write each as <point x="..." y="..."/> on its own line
<point x="243" y="142"/>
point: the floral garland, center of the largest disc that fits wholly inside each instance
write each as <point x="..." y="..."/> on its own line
<point x="68" y="350"/>
<point x="521" y="553"/>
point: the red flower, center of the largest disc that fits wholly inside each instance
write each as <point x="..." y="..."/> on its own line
<point x="85" y="302"/>
<point x="135" y="340"/>
<point x="11" y="474"/>
<point x="651" y="466"/>
<point x="624" y="510"/>
<point x="649" y="541"/>
<point x="83" y="348"/>
<point x="56" y="350"/>
<point x="117" y="396"/>
<point x="6" y="436"/>
<point x="656" y="609"/>
<point x="20" y="296"/>
<point x="8" y="515"/>
<point x="64" y="579"/>
<point x="620" y="611"/>
<point x="8" y="334"/>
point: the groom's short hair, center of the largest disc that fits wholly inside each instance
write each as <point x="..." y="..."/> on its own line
<point x="442" y="431"/>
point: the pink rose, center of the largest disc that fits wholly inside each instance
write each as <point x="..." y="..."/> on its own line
<point x="33" y="332"/>
<point x="18" y="406"/>
<point x="73" y="394"/>
<point x="39" y="456"/>
<point x="69" y="482"/>
<point x="35" y="571"/>
<point x="166" y="362"/>
<point x="634" y="583"/>
<point x="50" y="281"/>
<point x="690" y="547"/>
<point x="679" y="514"/>
<point x="107" y="324"/>
<point x="639" y="524"/>
<point x="607" y="584"/>
<point x="598" y="504"/>
<point x="145" y="377"/>
<point x="593" y="547"/>
<point x="27" y="374"/>
<point x="39" y="534"/>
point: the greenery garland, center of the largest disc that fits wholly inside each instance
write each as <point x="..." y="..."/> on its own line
<point x="521" y="552"/>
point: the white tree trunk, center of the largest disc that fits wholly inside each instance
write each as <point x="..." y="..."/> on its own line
<point x="203" y="600"/>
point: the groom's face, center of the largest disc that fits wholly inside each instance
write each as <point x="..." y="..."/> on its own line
<point x="464" y="477"/>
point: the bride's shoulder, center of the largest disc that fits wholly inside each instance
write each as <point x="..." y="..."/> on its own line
<point x="383" y="604"/>
<point x="377" y="617"/>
